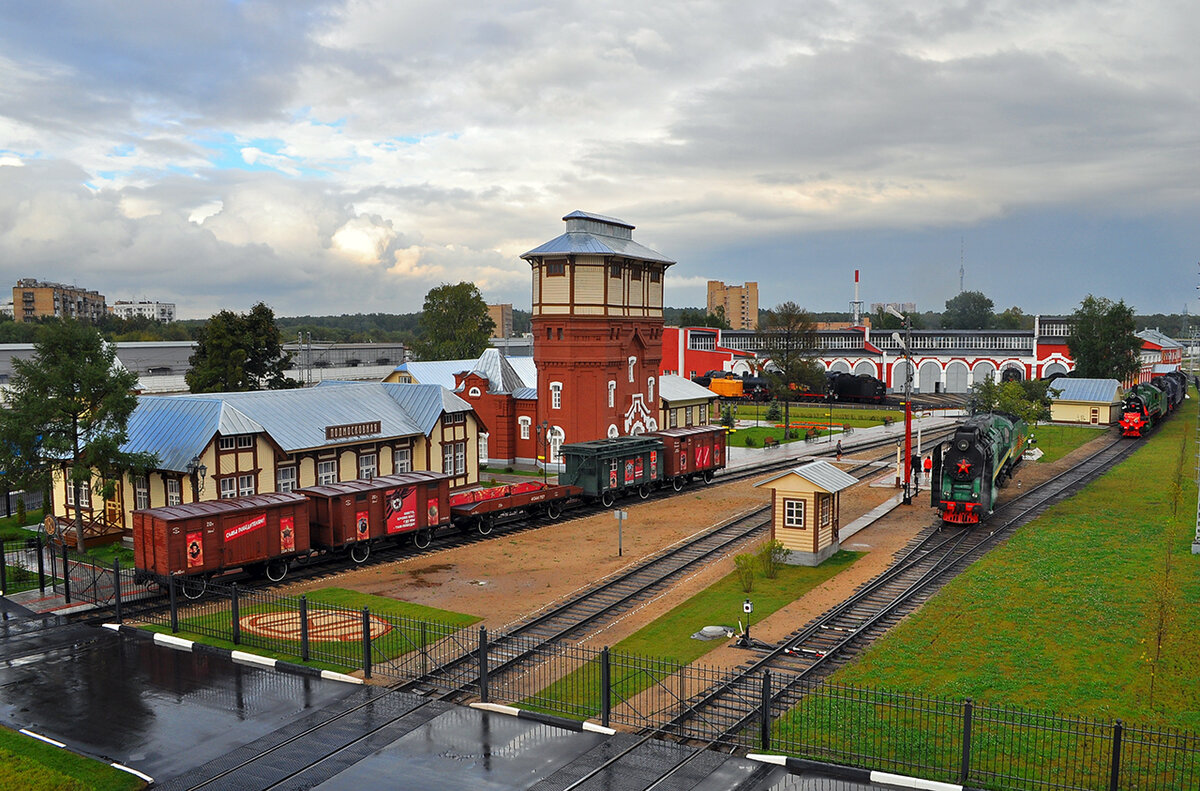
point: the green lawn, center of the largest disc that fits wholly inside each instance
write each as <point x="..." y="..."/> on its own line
<point x="31" y="765"/>
<point x="659" y="648"/>
<point x="10" y="529"/>
<point x="1057" y="441"/>
<point x="213" y="627"/>
<point x="1090" y="610"/>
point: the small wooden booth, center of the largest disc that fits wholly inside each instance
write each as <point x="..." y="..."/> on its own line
<point x="806" y="508"/>
<point x="1095" y="402"/>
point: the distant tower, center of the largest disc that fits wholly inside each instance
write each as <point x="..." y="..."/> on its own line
<point x="856" y="306"/>
<point x="597" y="330"/>
<point x="962" y="270"/>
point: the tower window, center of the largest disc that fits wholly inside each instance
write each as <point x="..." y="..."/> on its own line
<point x="556" y="268"/>
<point x="632" y="364"/>
<point x="556" y="395"/>
<point x="612" y="394"/>
<point x="654" y="274"/>
<point x="635" y="272"/>
<point x="614" y="270"/>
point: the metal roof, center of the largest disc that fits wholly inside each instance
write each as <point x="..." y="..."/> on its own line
<point x="525" y="393"/>
<point x="820" y="473"/>
<point x="499" y="370"/>
<point x="1104" y="391"/>
<point x="1165" y="368"/>
<point x="502" y="377"/>
<point x="172" y="513"/>
<point x="678" y="388"/>
<point x="1159" y="339"/>
<point x="595" y="234"/>
<point x="377" y="483"/>
<point x="176" y="429"/>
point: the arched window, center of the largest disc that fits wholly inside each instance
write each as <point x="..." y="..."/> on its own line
<point x="556" y="395"/>
<point x="612" y="394"/>
<point x="613" y="432"/>
<point x="524" y="423"/>
<point x="650" y="390"/>
<point x="474" y="392"/>
<point x="483" y="448"/>
<point x="556" y="440"/>
<point x="632" y="363"/>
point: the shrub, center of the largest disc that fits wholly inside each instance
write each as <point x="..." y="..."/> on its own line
<point x="727" y="416"/>
<point x="745" y="571"/>
<point x="21" y="515"/>
<point x="774" y="411"/>
<point x="749" y="441"/>
<point x="771" y="556"/>
<point x="508" y="470"/>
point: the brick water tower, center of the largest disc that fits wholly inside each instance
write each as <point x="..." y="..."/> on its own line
<point x="597" y="331"/>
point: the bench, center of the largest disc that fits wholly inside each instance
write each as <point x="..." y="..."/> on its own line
<point x="770" y="442"/>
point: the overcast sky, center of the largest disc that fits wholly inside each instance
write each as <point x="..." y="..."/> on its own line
<point x="330" y="157"/>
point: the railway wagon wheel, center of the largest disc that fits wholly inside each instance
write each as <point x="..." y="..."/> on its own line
<point x="708" y="476"/>
<point x="423" y="538"/>
<point x="276" y="570"/>
<point x="644" y="491"/>
<point x="553" y="510"/>
<point x="193" y="587"/>
<point x="607" y="499"/>
<point x="360" y="552"/>
<point x="485" y="526"/>
<point x="677" y="483"/>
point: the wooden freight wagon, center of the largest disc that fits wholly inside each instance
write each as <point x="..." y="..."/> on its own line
<point x="691" y="452"/>
<point x="353" y="514"/>
<point x="608" y="468"/>
<point x="260" y="534"/>
<point x="486" y="507"/>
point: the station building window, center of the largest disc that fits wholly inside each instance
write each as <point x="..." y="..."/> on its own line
<point x="612" y="394"/>
<point x="326" y="472"/>
<point x="793" y="513"/>
<point x="285" y="479"/>
<point x="556" y="395"/>
<point x="403" y="461"/>
<point x="228" y="489"/>
<point x="245" y="441"/>
<point x="524" y="423"/>
<point x="174" y="491"/>
<point x="245" y="485"/>
<point x="368" y="466"/>
<point x="141" y="492"/>
<point x="227" y="443"/>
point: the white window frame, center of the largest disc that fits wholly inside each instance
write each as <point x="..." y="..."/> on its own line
<point x="557" y="437"/>
<point x="141" y="492"/>
<point x="524" y="424"/>
<point x="483" y="447"/>
<point x="245" y="441"/>
<point x="368" y="466"/>
<point x="402" y="460"/>
<point x="460" y="458"/>
<point x="632" y="365"/>
<point x="650" y="390"/>
<point x="826" y="509"/>
<point x="227" y="443"/>
<point x="85" y="493"/>
<point x="556" y="395"/>
<point x="327" y="472"/>
<point x="285" y="479"/>
<point x="793" y="514"/>
<point x="612" y="394"/>
<point x="246" y="485"/>
<point x="448" y="458"/>
<point x="474" y="393"/>
<point x="174" y="491"/>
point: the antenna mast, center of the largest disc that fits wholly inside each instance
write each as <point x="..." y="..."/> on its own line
<point x="962" y="270"/>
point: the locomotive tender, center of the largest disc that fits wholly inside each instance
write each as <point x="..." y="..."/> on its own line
<point x="264" y="534"/>
<point x="977" y="461"/>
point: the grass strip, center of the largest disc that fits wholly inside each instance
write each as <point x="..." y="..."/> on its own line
<point x="668" y="639"/>
<point x="31" y="765"/>
<point x="1057" y="441"/>
<point x="415" y="627"/>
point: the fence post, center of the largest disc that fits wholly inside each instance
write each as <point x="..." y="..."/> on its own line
<point x="366" y="642"/>
<point x="424" y="649"/>
<point x="41" y="565"/>
<point x="117" y="586"/>
<point x="171" y="589"/>
<point x="605" y="688"/>
<point x="964" y="767"/>
<point x="66" y="574"/>
<point x="766" y="710"/>
<point x="1118" y="729"/>
<point x="3" y="571"/>
<point x="483" y="665"/>
<point x="303" y="628"/>
<point x="234" y="622"/>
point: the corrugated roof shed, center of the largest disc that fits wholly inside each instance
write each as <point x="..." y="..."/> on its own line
<point x="1104" y="391"/>
<point x="678" y="388"/>
<point x="819" y="473"/>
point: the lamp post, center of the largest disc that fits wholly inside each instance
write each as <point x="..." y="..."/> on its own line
<point x="906" y="345"/>
<point x="543" y="432"/>
<point x="197" y="471"/>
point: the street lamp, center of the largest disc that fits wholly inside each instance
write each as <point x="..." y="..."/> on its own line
<point x="197" y="471"/>
<point x="906" y="345"/>
<point x="543" y="432"/>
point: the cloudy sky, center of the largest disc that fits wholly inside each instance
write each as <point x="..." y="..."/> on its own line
<point x="330" y="157"/>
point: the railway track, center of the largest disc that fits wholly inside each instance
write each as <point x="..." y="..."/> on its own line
<point x="814" y="651"/>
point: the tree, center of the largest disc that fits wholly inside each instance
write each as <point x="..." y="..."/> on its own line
<point x="789" y="339"/>
<point x="1013" y="319"/>
<point x="237" y="352"/>
<point x="70" y="402"/>
<point x="1028" y="400"/>
<point x="970" y="310"/>
<point x="1102" y="340"/>
<point x="695" y="317"/>
<point x="454" y="325"/>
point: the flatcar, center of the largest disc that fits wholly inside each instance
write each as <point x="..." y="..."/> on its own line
<point x="977" y="461"/>
<point x="265" y="534"/>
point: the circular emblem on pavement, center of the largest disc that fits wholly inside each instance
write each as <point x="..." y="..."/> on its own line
<point x="322" y="626"/>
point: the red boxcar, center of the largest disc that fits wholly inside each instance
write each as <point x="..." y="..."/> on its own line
<point x="352" y="514"/>
<point x="259" y="533"/>
<point x="694" y="451"/>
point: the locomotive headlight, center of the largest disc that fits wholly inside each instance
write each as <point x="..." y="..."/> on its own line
<point x="974" y="495"/>
<point x="945" y="494"/>
<point x="963" y="445"/>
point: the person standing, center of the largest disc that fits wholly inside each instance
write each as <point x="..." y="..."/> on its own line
<point x="839" y="450"/>
<point x="928" y="465"/>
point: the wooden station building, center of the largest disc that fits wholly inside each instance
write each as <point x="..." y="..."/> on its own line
<point x="806" y="510"/>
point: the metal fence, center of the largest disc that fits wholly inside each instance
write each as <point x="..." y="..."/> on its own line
<point x="958" y="741"/>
